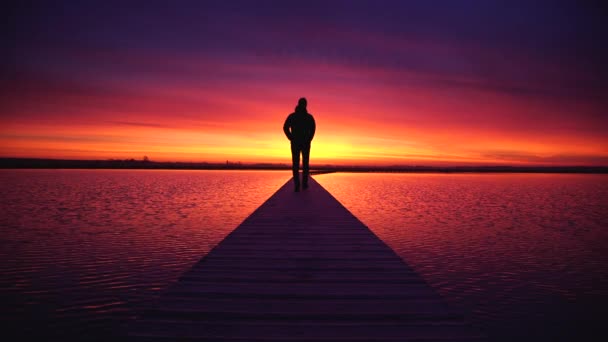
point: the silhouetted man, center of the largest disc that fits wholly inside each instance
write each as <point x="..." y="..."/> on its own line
<point x="300" y="129"/>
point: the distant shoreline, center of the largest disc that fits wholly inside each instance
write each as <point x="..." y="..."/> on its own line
<point x="35" y="163"/>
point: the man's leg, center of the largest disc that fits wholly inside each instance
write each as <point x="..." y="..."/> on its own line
<point x="305" y="168"/>
<point x="295" y="165"/>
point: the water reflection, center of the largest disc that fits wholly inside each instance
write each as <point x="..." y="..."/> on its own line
<point x="79" y="249"/>
<point x="524" y="254"/>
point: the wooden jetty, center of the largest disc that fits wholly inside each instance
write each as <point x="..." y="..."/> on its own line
<point x="302" y="268"/>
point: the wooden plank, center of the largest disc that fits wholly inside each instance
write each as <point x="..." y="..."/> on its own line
<point x="302" y="268"/>
<point x="414" y="306"/>
<point x="309" y="289"/>
<point x="309" y="331"/>
<point x="256" y="277"/>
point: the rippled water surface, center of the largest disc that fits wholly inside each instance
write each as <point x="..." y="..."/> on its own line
<point x="81" y="250"/>
<point x="525" y="255"/>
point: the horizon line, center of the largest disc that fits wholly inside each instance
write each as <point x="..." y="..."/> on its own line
<point x="19" y="162"/>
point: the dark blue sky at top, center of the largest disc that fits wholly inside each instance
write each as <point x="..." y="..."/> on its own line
<point x="566" y="33"/>
<point x="565" y="29"/>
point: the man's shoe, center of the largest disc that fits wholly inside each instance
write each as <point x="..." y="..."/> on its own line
<point x="297" y="188"/>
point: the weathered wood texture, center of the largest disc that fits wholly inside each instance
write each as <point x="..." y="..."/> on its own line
<point x="302" y="268"/>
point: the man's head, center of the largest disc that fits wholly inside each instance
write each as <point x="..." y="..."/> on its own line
<point x="302" y="102"/>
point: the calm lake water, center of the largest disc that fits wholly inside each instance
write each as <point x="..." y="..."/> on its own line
<point x="524" y="255"/>
<point x="81" y="250"/>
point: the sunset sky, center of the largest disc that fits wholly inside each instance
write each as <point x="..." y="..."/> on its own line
<point x="388" y="82"/>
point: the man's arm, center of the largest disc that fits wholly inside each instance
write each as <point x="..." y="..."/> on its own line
<point x="313" y="127"/>
<point x="286" y="126"/>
